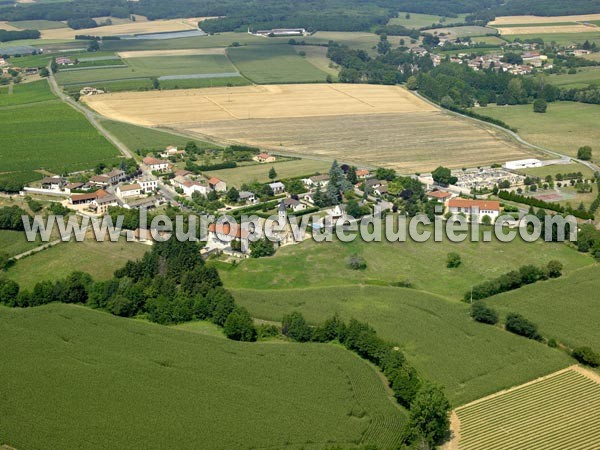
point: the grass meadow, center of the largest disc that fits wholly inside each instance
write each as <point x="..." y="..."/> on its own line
<point x="423" y="265"/>
<point x="14" y="243"/>
<point x="564" y="39"/>
<point x="469" y="359"/>
<point x="565" y="309"/>
<point x="419" y="20"/>
<point x="565" y="127"/>
<point x="559" y="168"/>
<point x="136" y="137"/>
<point x="429" y="321"/>
<point x="38" y="24"/>
<point x="587" y="76"/>
<point x="260" y="172"/>
<point x="149" y="67"/>
<point x="354" y="39"/>
<point x="274" y="64"/>
<point x="99" y="381"/>
<point x="38" y="131"/>
<point x="99" y="259"/>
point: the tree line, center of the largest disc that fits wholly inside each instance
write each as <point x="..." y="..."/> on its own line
<point x="532" y="201"/>
<point x="514" y="279"/>
<point x="427" y="403"/>
<point x="6" y="36"/>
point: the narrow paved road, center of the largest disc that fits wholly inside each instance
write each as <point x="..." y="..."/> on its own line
<point x="91" y="116"/>
<point x="514" y="136"/>
<point x="94" y="118"/>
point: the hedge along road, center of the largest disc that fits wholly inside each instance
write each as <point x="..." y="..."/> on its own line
<point x="515" y="136"/>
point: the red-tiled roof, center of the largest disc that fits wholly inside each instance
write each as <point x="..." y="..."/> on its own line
<point x="481" y="204"/>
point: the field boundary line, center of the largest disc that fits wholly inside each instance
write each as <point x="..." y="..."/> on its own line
<point x="35" y="250"/>
<point x="218" y="105"/>
<point x="520" y="386"/>
<point x="351" y="96"/>
<point x="587" y="373"/>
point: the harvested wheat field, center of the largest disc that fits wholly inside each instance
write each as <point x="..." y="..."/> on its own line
<point x="153" y="26"/>
<point x="363" y="124"/>
<point x="550" y="29"/>
<point x="559" y="411"/>
<point x="526" y="20"/>
<point x="8" y="27"/>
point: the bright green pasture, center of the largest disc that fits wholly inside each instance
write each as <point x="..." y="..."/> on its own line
<point x="274" y="64"/>
<point x="89" y="379"/>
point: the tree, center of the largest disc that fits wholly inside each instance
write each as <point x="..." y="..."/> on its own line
<point x="272" y="173"/>
<point x="353" y="209"/>
<point x="429" y="414"/>
<point x="412" y="83"/>
<point x="554" y="269"/>
<point x="295" y="187"/>
<point x="356" y="262"/>
<point x="453" y="260"/>
<point x="585" y="355"/>
<point x="584" y="153"/>
<point x="262" y="247"/>
<point x="93" y="46"/>
<point x="233" y="195"/>
<point x="351" y="175"/>
<point x="239" y="325"/>
<point x="516" y="323"/>
<point x="540" y="105"/>
<point x="295" y="327"/>
<point x="383" y="46"/>
<point x="443" y="176"/>
<point x="483" y="314"/>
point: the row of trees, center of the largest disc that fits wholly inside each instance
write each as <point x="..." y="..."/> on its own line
<point x="427" y="403"/>
<point x="11" y="218"/>
<point x="517" y="324"/>
<point x="6" y="36"/>
<point x="170" y="284"/>
<point x="532" y="201"/>
<point x="514" y="279"/>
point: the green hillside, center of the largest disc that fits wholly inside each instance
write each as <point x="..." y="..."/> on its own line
<point x="91" y="380"/>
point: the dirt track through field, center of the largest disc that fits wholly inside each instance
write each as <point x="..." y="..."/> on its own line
<point x="385" y="126"/>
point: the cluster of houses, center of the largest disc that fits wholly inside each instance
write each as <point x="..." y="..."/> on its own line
<point x="87" y="91"/>
<point x="531" y="61"/>
<point x="190" y="183"/>
<point x="64" y="61"/>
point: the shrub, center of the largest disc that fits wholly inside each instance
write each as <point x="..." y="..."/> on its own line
<point x="585" y="355"/>
<point x="453" y="260"/>
<point x="540" y="105"/>
<point x="239" y="325"/>
<point x="584" y="153"/>
<point x="517" y="324"/>
<point x="552" y="343"/>
<point x="356" y="262"/>
<point x="554" y="269"/>
<point x="482" y="313"/>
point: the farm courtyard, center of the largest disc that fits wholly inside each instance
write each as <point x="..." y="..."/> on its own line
<point x="366" y="125"/>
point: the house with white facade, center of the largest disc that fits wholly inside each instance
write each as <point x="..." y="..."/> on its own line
<point x="474" y="208"/>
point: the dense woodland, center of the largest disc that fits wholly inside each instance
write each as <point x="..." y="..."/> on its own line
<point x="334" y="15"/>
